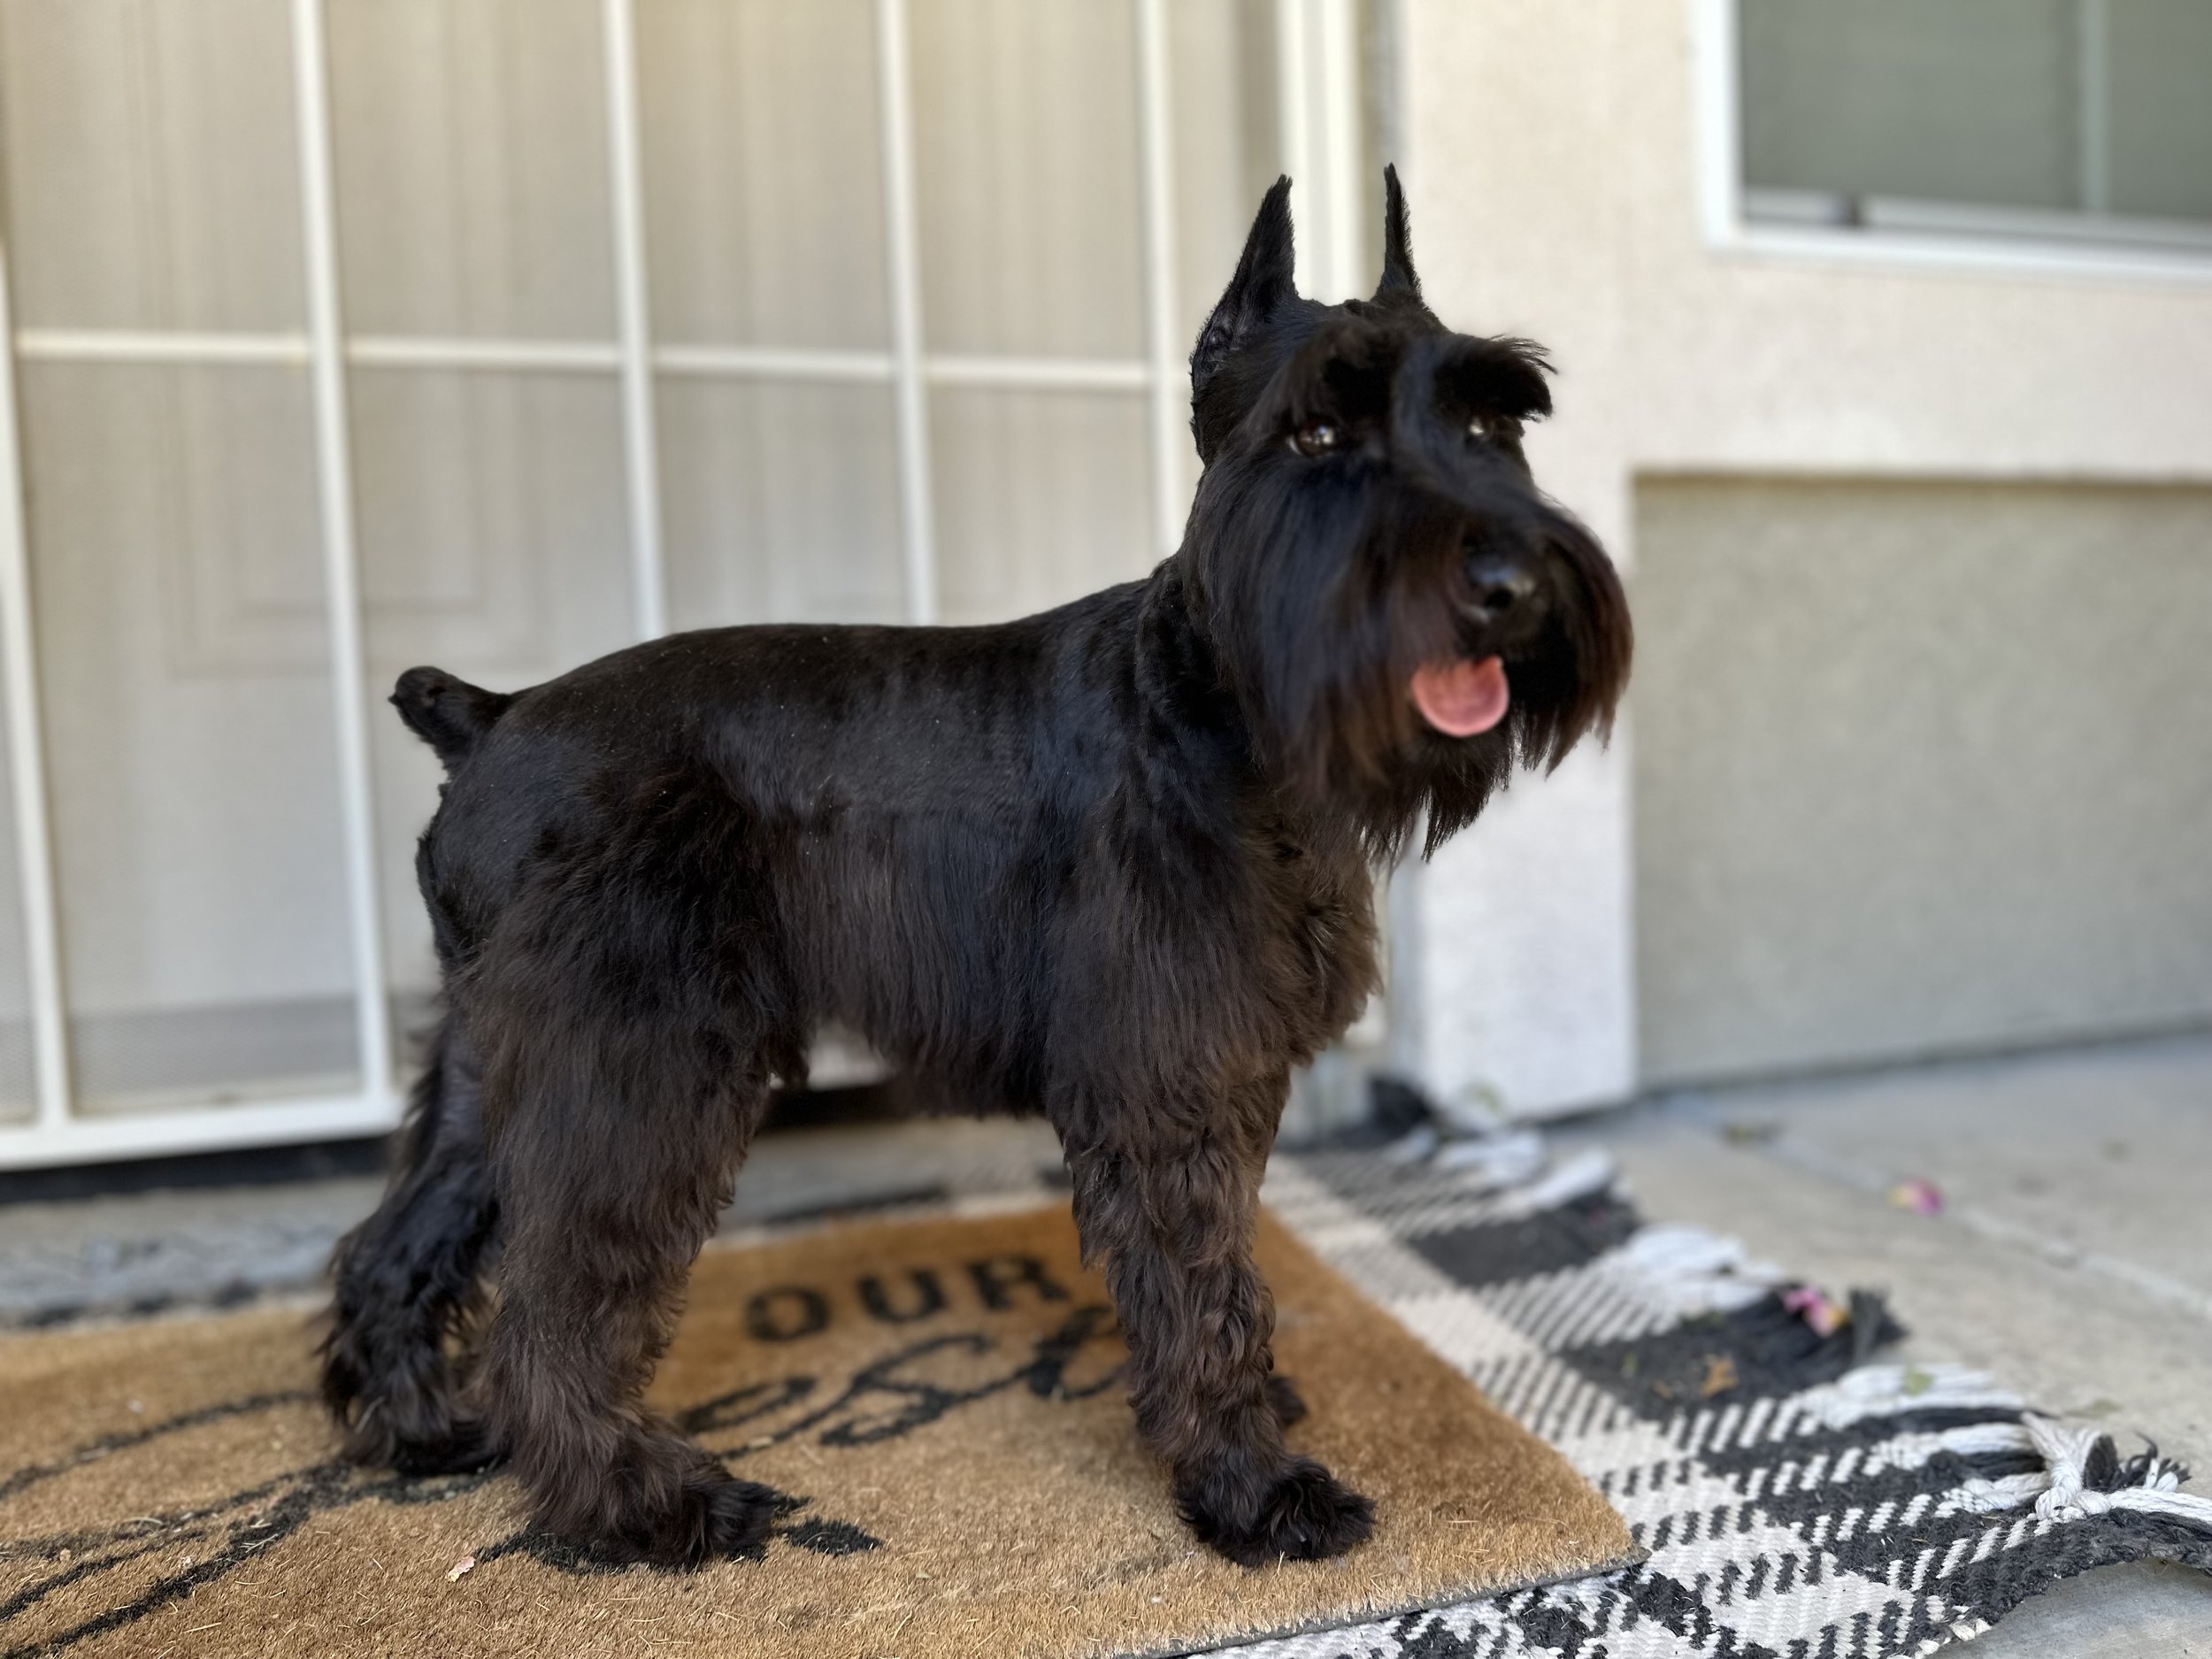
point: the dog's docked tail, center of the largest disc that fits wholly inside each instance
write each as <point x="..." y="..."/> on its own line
<point x="446" y="711"/>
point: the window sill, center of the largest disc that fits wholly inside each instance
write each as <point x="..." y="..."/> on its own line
<point x="1805" y="225"/>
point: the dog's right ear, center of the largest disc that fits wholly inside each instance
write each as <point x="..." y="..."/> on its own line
<point x="1264" y="282"/>
<point x="1398" y="272"/>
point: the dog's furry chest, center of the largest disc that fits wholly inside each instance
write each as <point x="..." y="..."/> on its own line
<point x="1319" y="915"/>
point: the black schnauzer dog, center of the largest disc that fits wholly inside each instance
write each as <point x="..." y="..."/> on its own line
<point x="1113" y="863"/>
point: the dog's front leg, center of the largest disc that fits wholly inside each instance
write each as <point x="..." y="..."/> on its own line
<point x="1168" y="1205"/>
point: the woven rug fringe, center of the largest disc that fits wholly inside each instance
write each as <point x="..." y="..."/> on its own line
<point x="2083" y="1475"/>
<point x="1692" y="1271"/>
<point x="1888" y="1391"/>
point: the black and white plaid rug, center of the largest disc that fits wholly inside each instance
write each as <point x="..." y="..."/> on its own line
<point x="1797" y="1500"/>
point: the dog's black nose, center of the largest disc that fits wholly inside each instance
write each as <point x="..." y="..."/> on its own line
<point x="1498" y="584"/>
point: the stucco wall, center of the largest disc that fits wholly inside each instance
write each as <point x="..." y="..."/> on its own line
<point x="1921" y="768"/>
<point x="1552" y="156"/>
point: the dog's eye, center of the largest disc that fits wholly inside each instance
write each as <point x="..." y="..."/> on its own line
<point x="1316" y="437"/>
<point x="1492" y="428"/>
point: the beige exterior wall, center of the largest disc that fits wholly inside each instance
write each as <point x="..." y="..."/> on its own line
<point x="1556" y="157"/>
<point x="1919" y="769"/>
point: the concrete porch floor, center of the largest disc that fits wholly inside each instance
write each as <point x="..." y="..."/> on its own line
<point x="2073" y="1258"/>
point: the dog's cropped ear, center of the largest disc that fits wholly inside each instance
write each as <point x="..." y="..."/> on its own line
<point x="1398" y="274"/>
<point x="1264" y="282"/>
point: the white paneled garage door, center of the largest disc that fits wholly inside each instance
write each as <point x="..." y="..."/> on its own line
<point x="346" y="335"/>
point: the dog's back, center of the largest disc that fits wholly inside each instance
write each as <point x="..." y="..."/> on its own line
<point x="914" y="807"/>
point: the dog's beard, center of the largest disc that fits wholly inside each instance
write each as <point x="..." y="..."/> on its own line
<point x="1367" y="698"/>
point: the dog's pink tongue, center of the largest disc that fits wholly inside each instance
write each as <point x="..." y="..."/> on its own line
<point x="1461" y="698"/>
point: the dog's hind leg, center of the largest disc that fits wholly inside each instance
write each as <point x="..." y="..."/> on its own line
<point x="625" y="1013"/>
<point x="407" y="1283"/>
<point x="608" y="1189"/>
<point x="1168" y="1199"/>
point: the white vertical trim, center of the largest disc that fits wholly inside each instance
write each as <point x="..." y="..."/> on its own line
<point x="1316" y="98"/>
<point x="640" y="449"/>
<point x="26" y="759"/>
<point x="340" y="574"/>
<point x="1337" y="145"/>
<point x="1293" y="120"/>
<point x="909" y="398"/>
<point x="2094" y="88"/>
<point x="1165" y="403"/>
<point x="1719" y="160"/>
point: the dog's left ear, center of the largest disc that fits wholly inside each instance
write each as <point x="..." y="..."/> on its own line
<point x="1262" y="282"/>
<point x="1398" y="274"/>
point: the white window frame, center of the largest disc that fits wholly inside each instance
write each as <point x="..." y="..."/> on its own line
<point x="1317" y="73"/>
<point x="1900" y="234"/>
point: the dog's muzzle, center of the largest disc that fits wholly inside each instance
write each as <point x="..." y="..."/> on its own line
<point x="1501" y="606"/>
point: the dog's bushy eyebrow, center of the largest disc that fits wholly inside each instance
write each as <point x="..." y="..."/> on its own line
<point x="1501" y="375"/>
<point x="1343" y="371"/>
<point x="1358" y="381"/>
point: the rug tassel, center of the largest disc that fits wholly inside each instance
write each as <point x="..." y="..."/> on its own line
<point x="2083" y="1475"/>
<point x="1692" y="1271"/>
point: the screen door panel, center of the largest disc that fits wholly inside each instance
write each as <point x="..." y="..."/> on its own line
<point x="185" y="677"/>
<point x="780" y="502"/>
<point x="150" y="163"/>
<point x="348" y="334"/>
<point x="1034" y="506"/>
<point x="763" y="173"/>
<point x="472" y="155"/>
<point x="1025" y="150"/>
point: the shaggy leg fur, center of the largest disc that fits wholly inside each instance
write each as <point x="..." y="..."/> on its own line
<point x="1173" y="1213"/>
<point x="623" y="1011"/>
<point x="407" y="1283"/>
<point x="599" y="1240"/>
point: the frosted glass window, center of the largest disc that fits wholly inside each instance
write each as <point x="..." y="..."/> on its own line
<point x="2094" y="111"/>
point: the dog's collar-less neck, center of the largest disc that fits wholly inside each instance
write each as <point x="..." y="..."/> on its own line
<point x="1182" y="679"/>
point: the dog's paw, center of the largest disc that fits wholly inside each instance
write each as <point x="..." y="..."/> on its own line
<point x="417" y="1431"/>
<point x="733" y="1519"/>
<point x="1305" y="1516"/>
<point x="711" y="1517"/>
<point x="1285" y="1401"/>
<point x="464" y="1447"/>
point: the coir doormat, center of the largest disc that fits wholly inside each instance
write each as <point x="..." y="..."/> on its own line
<point x="940" y="1400"/>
